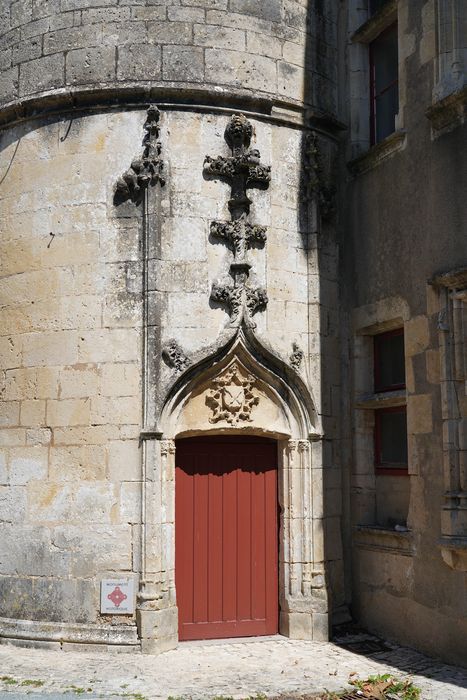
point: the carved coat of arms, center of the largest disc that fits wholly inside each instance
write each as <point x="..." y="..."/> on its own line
<point x="232" y="398"/>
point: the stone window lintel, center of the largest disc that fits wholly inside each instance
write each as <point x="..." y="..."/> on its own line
<point x="376" y="24"/>
<point x="383" y="399"/>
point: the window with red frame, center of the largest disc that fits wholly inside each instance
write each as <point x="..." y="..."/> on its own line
<point x="391" y="422"/>
<point x="384" y="84"/>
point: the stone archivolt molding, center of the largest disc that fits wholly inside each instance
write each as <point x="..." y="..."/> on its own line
<point x="147" y="168"/>
<point x="232" y="397"/>
<point x="242" y="170"/>
<point x="452" y="327"/>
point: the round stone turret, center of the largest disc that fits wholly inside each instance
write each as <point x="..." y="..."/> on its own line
<point x="103" y="49"/>
<point x="160" y="190"/>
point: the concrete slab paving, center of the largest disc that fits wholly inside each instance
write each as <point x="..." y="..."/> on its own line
<point x="203" y="670"/>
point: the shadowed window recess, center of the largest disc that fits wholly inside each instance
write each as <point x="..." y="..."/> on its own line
<point x="384" y="84"/>
<point x="390" y="421"/>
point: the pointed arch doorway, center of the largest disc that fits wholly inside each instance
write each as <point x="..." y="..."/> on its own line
<point x="226" y="536"/>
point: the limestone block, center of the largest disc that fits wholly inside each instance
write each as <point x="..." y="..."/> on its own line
<point x="9" y="413"/>
<point x="170" y="32"/>
<point x="56" y="348"/>
<point x="262" y="44"/>
<point x="419" y="413"/>
<point x="10" y="351"/>
<point x="94" y="549"/>
<point x="12" y="504"/>
<point x="320" y="627"/>
<point x="109" y="345"/>
<point x="225" y="38"/>
<point x="38" y="436"/>
<point x="28" y="551"/>
<point x="70" y="38"/>
<point x="12" y="437"/>
<point x="130" y="502"/>
<point x="83" y="65"/>
<point x="120" y="379"/>
<point x="94" y="434"/>
<point x="78" y="381"/>
<point x="296" y="625"/>
<point x="157" y="624"/>
<point x="77" y="463"/>
<point x="181" y="63"/>
<point x="433" y="369"/>
<point x="68" y="412"/>
<point x="124" y="460"/>
<point x="32" y="412"/>
<point x="241" y="70"/>
<point x="41" y="74"/>
<point x="9" y="84"/>
<point x="416" y="335"/>
<point x="125" y="410"/>
<point x="139" y="62"/>
<point x="90" y="502"/>
<point x="27" y="464"/>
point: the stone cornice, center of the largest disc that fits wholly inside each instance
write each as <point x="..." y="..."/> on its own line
<point x="183" y="97"/>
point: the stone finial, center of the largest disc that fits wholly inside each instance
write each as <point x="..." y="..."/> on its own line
<point x="146" y="169"/>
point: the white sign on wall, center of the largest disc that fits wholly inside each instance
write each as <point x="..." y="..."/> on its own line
<point x="117" y="596"/>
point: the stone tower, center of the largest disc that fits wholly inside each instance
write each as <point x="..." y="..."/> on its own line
<point x="167" y="232"/>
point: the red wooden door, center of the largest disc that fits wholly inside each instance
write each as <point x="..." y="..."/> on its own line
<point x="226" y="539"/>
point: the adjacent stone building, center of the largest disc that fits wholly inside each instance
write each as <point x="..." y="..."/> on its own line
<point x="233" y="359"/>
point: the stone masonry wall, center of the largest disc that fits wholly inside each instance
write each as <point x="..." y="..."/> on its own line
<point x="70" y="380"/>
<point x="70" y="342"/>
<point x="260" y="48"/>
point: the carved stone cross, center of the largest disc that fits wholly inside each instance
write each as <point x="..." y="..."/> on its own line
<point x="242" y="170"/>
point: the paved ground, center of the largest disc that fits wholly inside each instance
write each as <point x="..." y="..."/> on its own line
<point x="244" y="669"/>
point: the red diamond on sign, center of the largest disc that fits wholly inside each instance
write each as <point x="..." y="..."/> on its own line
<point x="117" y="596"/>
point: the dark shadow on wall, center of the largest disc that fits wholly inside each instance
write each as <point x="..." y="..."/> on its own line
<point x="320" y="224"/>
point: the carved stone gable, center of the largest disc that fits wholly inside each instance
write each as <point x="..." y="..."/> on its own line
<point x="231" y="398"/>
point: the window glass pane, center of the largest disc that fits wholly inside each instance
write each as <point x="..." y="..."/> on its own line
<point x="385" y="59"/>
<point x="384" y="83"/>
<point x="393" y="437"/>
<point x="390" y="361"/>
<point x="387" y="106"/>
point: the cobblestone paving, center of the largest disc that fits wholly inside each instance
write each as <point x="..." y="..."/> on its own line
<point x="206" y="670"/>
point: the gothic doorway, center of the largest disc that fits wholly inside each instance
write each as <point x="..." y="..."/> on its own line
<point x="226" y="537"/>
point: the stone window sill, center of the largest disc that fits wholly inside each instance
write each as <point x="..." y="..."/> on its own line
<point x="386" y="16"/>
<point x="381" y="539"/>
<point x="448" y="112"/>
<point x="386" y="399"/>
<point x="378" y="153"/>
<point x="454" y="552"/>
